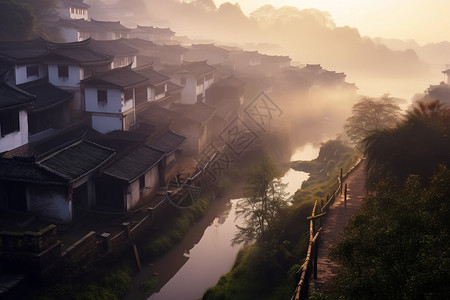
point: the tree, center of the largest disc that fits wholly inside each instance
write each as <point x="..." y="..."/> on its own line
<point x="17" y="21"/>
<point x="264" y="199"/>
<point x="418" y="145"/>
<point x="370" y="115"/>
<point x="398" y="246"/>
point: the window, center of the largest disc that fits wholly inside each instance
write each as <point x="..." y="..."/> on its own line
<point x="63" y="71"/>
<point x="32" y="71"/>
<point x="142" y="182"/>
<point x="160" y="89"/>
<point x="9" y="122"/>
<point x="102" y="98"/>
<point x="183" y="81"/>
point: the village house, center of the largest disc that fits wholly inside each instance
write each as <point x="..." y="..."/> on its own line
<point x="50" y="113"/>
<point x="73" y="9"/>
<point x="195" y="78"/>
<point x="14" y="106"/>
<point x="227" y="97"/>
<point x="123" y="54"/>
<point x="110" y="98"/>
<point x="196" y="123"/>
<point x="273" y="64"/>
<point x="149" y="53"/>
<point x="154" y="34"/>
<point x="157" y="87"/>
<point x="172" y="55"/>
<point x="214" y="55"/>
<point x="51" y="184"/>
<point x="80" y="29"/>
<point x="244" y="61"/>
<point x="23" y="60"/>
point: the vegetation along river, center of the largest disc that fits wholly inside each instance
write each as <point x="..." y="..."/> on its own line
<point x="206" y="253"/>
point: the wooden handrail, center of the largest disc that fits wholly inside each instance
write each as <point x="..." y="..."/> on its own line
<point x="301" y="289"/>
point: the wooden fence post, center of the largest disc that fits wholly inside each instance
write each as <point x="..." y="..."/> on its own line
<point x="341" y="182"/>
<point x="345" y="195"/>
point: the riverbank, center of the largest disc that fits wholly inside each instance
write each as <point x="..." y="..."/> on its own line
<point x="258" y="275"/>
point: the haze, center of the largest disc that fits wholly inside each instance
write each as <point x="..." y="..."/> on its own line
<point x="364" y="39"/>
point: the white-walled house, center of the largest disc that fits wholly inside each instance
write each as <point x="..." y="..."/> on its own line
<point x="23" y="60"/>
<point x="52" y="185"/>
<point x="150" y="33"/>
<point x="80" y="30"/>
<point x="199" y="52"/>
<point x="73" y="9"/>
<point x="110" y="98"/>
<point x="195" y="78"/>
<point x="14" y="104"/>
<point x="123" y="54"/>
<point x="129" y="179"/>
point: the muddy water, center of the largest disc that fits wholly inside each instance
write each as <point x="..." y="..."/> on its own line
<point x="205" y="253"/>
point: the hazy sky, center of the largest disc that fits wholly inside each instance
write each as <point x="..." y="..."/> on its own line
<point x="422" y="20"/>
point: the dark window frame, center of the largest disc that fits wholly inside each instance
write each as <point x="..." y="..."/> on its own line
<point x="9" y="122"/>
<point x="63" y="71"/>
<point x="32" y="71"/>
<point x="102" y="97"/>
<point x="142" y="182"/>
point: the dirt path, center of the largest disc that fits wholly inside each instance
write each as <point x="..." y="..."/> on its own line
<point x="333" y="226"/>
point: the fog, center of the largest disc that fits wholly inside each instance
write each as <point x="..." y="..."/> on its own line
<point x="307" y="36"/>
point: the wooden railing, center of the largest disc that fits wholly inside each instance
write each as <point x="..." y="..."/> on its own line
<point x="310" y="264"/>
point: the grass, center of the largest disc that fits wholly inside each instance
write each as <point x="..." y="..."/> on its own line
<point x="272" y="275"/>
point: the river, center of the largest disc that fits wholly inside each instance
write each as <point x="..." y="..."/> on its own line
<point x="205" y="253"/>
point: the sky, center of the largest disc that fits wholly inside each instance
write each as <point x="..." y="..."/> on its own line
<point x="422" y="20"/>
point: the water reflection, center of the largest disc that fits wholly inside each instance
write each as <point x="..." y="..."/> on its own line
<point x="294" y="178"/>
<point x="206" y="261"/>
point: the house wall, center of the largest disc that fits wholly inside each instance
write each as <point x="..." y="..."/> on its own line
<point x="50" y="202"/>
<point x="189" y="92"/>
<point x="151" y="186"/>
<point x="124" y="61"/>
<point x="21" y="73"/>
<point x="18" y="138"/>
<point x="113" y="105"/>
<point x="72" y="81"/>
<point x="105" y="124"/>
<point x="69" y="34"/>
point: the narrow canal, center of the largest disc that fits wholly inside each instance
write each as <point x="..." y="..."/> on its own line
<point x="205" y="253"/>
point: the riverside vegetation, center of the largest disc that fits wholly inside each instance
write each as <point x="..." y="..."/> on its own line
<point x="268" y="270"/>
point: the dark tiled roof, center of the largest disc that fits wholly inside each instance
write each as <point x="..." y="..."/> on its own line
<point x="109" y="25"/>
<point x="134" y="164"/>
<point x="154" y="76"/>
<point x="142" y="44"/>
<point x="230" y="81"/>
<point x="211" y="48"/>
<point x="78" y="52"/>
<point x="25" y="170"/>
<point x="173" y="88"/>
<point x="121" y="77"/>
<point x="276" y="58"/>
<point x="47" y="95"/>
<point x="151" y="29"/>
<point x="76" y="3"/>
<point x="12" y="97"/>
<point x="77" y="160"/>
<point x="175" y="48"/>
<point x="157" y="116"/>
<point x="197" y="68"/>
<point x="113" y="47"/>
<point x="167" y="142"/>
<point x="23" y="50"/>
<point x="199" y="112"/>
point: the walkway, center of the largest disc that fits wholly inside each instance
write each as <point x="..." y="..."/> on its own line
<point x="333" y="226"/>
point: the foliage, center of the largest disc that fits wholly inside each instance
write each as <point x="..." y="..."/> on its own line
<point x="17" y="21"/>
<point x="416" y="146"/>
<point x="113" y="286"/>
<point x="264" y="198"/>
<point x="148" y="287"/>
<point x="398" y="246"/>
<point x="271" y="273"/>
<point x="370" y="115"/>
